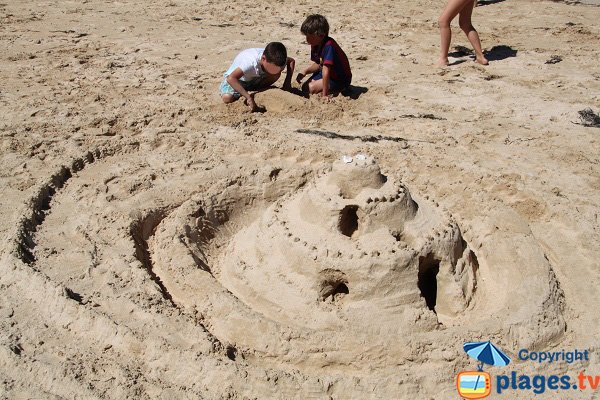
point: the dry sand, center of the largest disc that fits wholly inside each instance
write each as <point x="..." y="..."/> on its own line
<point x="159" y="244"/>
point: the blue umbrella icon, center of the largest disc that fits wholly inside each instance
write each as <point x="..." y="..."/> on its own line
<point x="486" y="353"/>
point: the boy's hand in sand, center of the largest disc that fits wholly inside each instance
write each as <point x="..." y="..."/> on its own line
<point x="255" y="107"/>
<point x="326" y="99"/>
<point x="252" y="104"/>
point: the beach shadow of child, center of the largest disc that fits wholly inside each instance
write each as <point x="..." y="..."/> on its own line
<point x="496" y="53"/>
<point x="459" y="52"/>
<point x="298" y="92"/>
<point x="488" y="2"/>
<point x="354" y="92"/>
<point x="500" y="52"/>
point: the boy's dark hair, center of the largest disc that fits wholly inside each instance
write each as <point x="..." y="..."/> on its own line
<point x="276" y="53"/>
<point x="315" y="24"/>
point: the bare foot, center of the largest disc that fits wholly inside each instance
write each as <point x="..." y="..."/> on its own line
<point x="482" y="60"/>
<point x="443" y="62"/>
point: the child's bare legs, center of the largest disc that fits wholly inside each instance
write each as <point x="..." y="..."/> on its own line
<point x="464" y="20"/>
<point x="228" y="98"/>
<point x="313" y="87"/>
<point x="465" y="9"/>
<point x="452" y="9"/>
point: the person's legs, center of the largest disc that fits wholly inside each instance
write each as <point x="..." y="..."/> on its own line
<point x="314" y="84"/>
<point x="464" y="20"/>
<point x="228" y="94"/>
<point x="228" y="98"/>
<point x="450" y="12"/>
<point x="315" y="87"/>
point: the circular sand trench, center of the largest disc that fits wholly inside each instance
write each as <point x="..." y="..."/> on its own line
<point x="272" y="267"/>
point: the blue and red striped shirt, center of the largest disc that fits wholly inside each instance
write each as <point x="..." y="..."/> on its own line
<point x="332" y="55"/>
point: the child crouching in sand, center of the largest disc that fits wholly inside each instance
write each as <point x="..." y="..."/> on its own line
<point x="255" y="69"/>
<point x="330" y="66"/>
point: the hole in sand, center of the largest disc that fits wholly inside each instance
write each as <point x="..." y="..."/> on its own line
<point x="231" y="353"/>
<point x="427" y="280"/>
<point x="334" y="290"/>
<point x="341" y="288"/>
<point x="334" y="284"/>
<point x="348" y="223"/>
<point x="274" y="174"/>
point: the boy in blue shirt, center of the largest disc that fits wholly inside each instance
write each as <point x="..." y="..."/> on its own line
<point x="255" y="69"/>
<point x="330" y="66"/>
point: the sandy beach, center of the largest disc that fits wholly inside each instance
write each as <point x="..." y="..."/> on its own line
<point x="159" y="244"/>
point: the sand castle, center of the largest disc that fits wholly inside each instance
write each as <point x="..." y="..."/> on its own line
<point x="355" y="239"/>
<point x="350" y="258"/>
<point x="336" y="268"/>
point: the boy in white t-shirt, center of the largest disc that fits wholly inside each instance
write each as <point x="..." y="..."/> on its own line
<point x="255" y="69"/>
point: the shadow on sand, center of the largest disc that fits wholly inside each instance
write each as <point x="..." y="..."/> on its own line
<point x="354" y="92"/>
<point x="496" y="53"/>
<point x="488" y="2"/>
<point x="500" y="52"/>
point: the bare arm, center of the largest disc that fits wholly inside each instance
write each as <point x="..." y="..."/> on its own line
<point x="311" y="69"/>
<point x="326" y="72"/>
<point x="291" y="65"/>
<point x="234" y="80"/>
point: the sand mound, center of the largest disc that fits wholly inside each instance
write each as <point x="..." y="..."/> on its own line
<point x="276" y="268"/>
<point x="279" y="101"/>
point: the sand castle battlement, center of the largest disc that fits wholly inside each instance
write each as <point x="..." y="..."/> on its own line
<point x="355" y="238"/>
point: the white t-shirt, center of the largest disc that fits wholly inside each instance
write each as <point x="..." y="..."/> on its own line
<point x="249" y="62"/>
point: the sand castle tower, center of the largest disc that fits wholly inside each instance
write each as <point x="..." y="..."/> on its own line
<point x="352" y="245"/>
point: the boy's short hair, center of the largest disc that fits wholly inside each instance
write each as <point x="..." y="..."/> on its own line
<point x="315" y="24"/>
<point x="276" y="53"/>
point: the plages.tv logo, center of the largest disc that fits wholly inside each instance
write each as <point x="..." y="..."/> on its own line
<point x="478" y="384"/>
